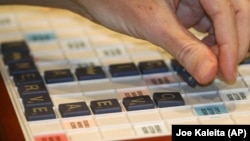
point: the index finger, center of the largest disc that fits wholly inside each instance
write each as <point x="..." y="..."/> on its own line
<point x="222" y="14"/>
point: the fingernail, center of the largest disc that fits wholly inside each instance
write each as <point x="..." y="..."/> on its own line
<point x="228" y="81"/>
<point x="234" y="76"/>
<point x="220" y="76"/>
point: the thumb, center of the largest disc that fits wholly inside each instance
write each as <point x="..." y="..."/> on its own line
<point x="155" y="21"/>
<point x="188" y="50"/>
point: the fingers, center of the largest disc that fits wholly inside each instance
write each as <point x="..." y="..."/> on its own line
<point x="156" y="22"/>
<point x="223" y="17"/>
<point x="204" y="25"/>
<point x="242" y="10"/>
<point x="195" y="56"/>
<point x="198" y="60"/>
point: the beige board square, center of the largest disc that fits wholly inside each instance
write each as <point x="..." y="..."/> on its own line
<point x="144" y="116"/>
<point x="177" y="112"/>
<point x="117" y="132"/>
<point x="46" y="126"/>
<point x="111" y="119"/>
<point x="88" y="135"/>
<point x="243" y="118"/>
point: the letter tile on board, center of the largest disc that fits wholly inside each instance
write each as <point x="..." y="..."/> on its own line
<point x="168" y="99"/>
<point x="17" y="46"/>
<point x="27" y="78"/>
<point x="58" y="76"/>
<point x="32" y="89"/>
<point x="105" y="106"/>
<point x="74" y="109"/>
<point x="155" y="66"/>
<point x="39" y="113"/>
<point x="37" y="101"/>
<point x="181" y="71"/>
<point x="23" y="67"/>
<point x="126" y="69"/>
<point x="138" y="103"/>
<point x="16" y="57"/>
<point x="89" y="73"/>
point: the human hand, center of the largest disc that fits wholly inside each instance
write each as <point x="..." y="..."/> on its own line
<point x="165" y="23"/>
<point x="227" y="24"/>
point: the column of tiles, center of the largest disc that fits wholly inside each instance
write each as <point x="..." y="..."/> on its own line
<point x="78" y="80"/>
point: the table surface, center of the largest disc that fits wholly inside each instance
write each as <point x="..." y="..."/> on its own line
<point x="10" y="129"/>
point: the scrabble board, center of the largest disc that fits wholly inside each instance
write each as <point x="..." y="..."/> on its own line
<point x="70" y="79"/>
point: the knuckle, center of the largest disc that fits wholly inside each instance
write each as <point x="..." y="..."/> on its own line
<point x="187" y="52"/>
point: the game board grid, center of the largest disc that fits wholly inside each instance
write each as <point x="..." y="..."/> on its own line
<point x="132" y="125"/>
